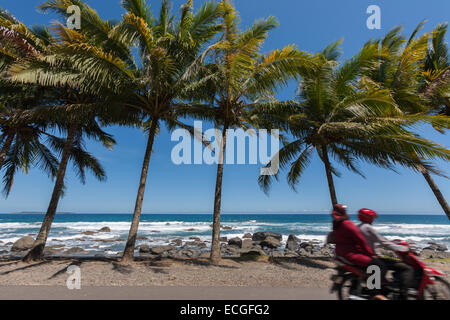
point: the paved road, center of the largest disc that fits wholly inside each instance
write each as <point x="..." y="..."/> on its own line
<point x="162" y="293"/>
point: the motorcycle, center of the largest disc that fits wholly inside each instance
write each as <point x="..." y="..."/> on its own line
<point x="350" y="282"/>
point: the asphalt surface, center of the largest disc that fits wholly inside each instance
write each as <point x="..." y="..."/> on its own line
<point x="162" y="293"/>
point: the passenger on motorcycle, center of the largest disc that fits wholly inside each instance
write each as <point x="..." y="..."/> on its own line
<point x="349" y="242"/>
<point x="405" y="272"/>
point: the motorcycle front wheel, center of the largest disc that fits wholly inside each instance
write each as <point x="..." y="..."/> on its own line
<point x="440" y="290"/>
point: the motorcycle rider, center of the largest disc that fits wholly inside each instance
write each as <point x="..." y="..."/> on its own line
<point x="374" y="240"/>
<point x="351" y="245"/>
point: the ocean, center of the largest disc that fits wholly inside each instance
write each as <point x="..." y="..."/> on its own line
<point x="68" y="229"/>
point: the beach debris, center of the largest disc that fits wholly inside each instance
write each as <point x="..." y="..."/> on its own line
<point x="23" y="244"/>
<point x="105" y="229"/>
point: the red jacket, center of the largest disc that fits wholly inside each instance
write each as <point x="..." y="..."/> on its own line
<point x="348" y="239"/>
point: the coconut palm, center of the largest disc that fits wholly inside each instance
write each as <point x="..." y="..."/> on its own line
<point x="414" y="90"/>
<point x="21" y="137"/>
<point x="436" y="88"/>
<point x="60" y="111"/>
<point x="151" y="88"/>
<point x="340" y="116"/>
<point x="436" y="84"/>
<point x="232" y="78"/>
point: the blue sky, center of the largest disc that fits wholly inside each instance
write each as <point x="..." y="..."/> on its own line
<point x="311" y="25"/>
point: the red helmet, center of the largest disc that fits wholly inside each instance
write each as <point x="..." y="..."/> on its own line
<point x="367" y="215"/>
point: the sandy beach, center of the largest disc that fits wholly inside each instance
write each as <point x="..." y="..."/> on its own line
<point x="299" y="278"/>
<point x="309" y="273"/>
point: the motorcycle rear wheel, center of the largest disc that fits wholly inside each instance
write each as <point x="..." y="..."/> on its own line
<point x="350" y="286"/>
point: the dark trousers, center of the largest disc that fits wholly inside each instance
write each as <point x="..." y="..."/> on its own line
<point x="405" y="274"/>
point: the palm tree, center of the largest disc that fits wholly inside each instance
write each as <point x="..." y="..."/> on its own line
<point x="152" y="88"/>
<point x="436" y="72"/>
<point x="417" y="77"/>
<point x="60" y="112"/>
<point x="436" y="87"/>
<point x="343" y="117"/>
<point x="21" y="137"/>
<point x="231" y="75"/>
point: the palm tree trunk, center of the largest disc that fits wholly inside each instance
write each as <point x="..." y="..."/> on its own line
<point x="215" y="245"/>
<point x="128" y="253"/>
<point x="436" y="191"/>
<point x="5" y="148"/>
<point x="39" y="244"/>
<point x="331" y="187"/>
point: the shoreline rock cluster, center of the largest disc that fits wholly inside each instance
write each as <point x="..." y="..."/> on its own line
<point x="259" y="244"/>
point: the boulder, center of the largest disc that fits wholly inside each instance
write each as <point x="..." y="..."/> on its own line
<point x="230" y="251"/>
<point x="260" y="236"/>
<point x="247" y="236"/>
<point x="436" y="247"/>
<point x="141" y="238"/>
<point x="235" y="242"/>
<point x="277" y="254"/>
<point x="247" y="243"/>
<point x="307" y="246"/>
<point x="226" y="227"/>
<point x="431" y="254"/>
<point x="292" y="243"/>
<point x="191" y="229"/>
<point x="223" y="239"/>
<point x="144" y="248"/>
<point x="252" y="253"/>
<point x="194" y="238"/>
<point x="105" y="229"/>
<point x="23" y="244"/>
<point x="177" y="242"/>
<point x="270" y="242"/>
<point x="201" y="245"/>
<point x="161" y="249"/>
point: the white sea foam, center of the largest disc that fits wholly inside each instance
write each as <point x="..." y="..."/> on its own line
<point x="70" y="233"/>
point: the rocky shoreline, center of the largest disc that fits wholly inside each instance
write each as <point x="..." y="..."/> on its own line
<point x="251" y="246"/>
